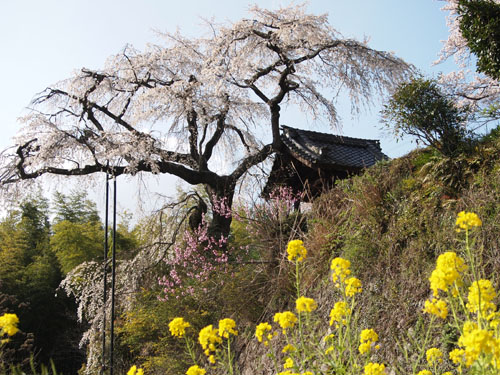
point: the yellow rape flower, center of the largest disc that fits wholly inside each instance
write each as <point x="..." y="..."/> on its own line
<point x="329" y="350"/>
<point x="135" y="371"/>
<point x="261" y="330"/>
<point x="366" y="339"/>
<point x="296" y="249"/>
<point x="288" y="363"/>
<point x="467" y="220"/>
<point x="424" y="372"/>
<point x="374" y="369"/>
<point x="436" y="307"/>
<point x="368" y="335"/>
<point x="195" y="370"/>
<point x="226" y="327"/>
<point x="481" y="293"/>
<point x="178" y="327"/>
<point x="340" y="267"/>
<point x="457" y="356"/>
<point x="434" y="355"/>
<point x="208" y="338"/>
<point x="352" y="286"/>
<point x="289" y="348"/>
<point x="339" y="313"/>
<point x="304" y="304"/>
<point x="449" y="266"/>
<point x="364" y="348"/>
<point x="286" y="319"/>
<point x="8" y="324"/>
<point x="288" y="372"/>
<point x="475" y="342"/>
<point x="494" y="319"/>
<point x="270" y="337"/>
<point x="328" y="337"/>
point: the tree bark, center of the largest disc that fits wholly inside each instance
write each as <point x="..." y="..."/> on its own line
<point x="223" y="191"/>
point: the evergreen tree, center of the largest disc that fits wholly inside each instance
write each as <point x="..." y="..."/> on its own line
<point x="30" y="274"/>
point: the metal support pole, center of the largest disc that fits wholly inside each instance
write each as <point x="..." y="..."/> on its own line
<point x="113" y="274"/>
<point x="105" y="278"/>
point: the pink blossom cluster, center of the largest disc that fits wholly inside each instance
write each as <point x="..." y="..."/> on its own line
<point x="284" y="199"/>
<point x="196" y="258"/>
<point x="221" y="207"/>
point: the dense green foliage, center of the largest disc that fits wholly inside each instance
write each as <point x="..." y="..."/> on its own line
<point x="75" y="243"/>
<point x="419" y="108"/>
<point x="35" y="254"/>
<point x="30" y="274"/>
<point x="480" y="26"/>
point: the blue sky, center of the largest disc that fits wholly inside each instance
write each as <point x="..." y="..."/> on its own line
<point x="44" y="41"/>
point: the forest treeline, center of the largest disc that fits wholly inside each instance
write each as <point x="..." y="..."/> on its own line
<point x="40" y="242"/>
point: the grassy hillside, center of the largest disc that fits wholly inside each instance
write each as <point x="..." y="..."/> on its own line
<point x="392" y="223"/>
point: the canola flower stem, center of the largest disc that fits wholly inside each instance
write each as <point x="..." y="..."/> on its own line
<point x="474" y="276"/>
<point x="297" y="287"/>
<point x="229" y="359"/>
<point x="469" y="254"/>
<point x="455" y="319"/>
<point x="347" y="335"/>
<point x="297" y="277"/>
<point x="348" y="326"/>
<point x="482" y="366"/>
<point x="301" y="336"/>
<point x="342" y="338"/>
<point x="333" y="362"/>
<point x="275" y="362"/>
<point x="462" y="304"/>
<point x="190" y="349"/>
<point x="424" y="345"/>
<point x="300" y="330"/>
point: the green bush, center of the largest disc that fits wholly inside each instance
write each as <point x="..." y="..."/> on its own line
<point x="419" y="108"/>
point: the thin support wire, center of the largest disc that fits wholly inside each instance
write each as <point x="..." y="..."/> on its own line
<point x="105" y="278"/>
<point x="113" y="277"/>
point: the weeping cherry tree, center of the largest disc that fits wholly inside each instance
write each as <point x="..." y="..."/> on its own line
<point x="184" y="106"/>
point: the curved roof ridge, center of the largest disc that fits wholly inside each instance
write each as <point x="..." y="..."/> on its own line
<point x="313" y="147"/>
<point x="329" y="135"/>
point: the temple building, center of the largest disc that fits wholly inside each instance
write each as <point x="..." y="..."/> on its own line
<point x="313" y="161"/>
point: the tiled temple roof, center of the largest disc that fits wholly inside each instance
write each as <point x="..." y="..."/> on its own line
<point x="316" y="149"/>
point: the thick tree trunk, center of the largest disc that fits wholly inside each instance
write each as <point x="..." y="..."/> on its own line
<point x="220" y="226"/>
<point x="221" y="198"/>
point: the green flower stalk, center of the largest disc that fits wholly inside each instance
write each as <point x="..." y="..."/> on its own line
<point x="177" y="328"/>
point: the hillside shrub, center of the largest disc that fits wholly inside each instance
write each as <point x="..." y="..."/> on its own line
<point x="419" y="108"/>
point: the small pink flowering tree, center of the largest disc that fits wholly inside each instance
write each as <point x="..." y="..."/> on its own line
<point x="198" y="254"/>
<point x="195" y="258"/>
